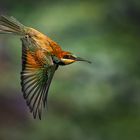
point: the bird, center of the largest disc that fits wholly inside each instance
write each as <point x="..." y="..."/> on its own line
<point x="41" y="57"/>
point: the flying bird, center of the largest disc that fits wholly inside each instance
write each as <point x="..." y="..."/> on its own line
<point x="41" y="57"/>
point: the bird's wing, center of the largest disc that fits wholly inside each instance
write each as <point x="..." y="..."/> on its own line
<point x="36" y="77"/>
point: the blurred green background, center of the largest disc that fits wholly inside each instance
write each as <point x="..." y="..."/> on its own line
<point x="100" y="101"/>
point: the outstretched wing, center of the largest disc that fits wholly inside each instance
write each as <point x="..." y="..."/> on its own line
<point x="36" y="77"/>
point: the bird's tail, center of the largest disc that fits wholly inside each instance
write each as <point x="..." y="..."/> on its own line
<point x="9" y="25"/>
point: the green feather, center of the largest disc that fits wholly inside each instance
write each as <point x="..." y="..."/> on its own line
<point x="11" y="25"/>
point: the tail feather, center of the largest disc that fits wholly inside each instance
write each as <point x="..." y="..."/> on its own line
<point x="11" y="25"/>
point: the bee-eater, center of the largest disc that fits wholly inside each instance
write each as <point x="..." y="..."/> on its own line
<point x="41" y="57"/>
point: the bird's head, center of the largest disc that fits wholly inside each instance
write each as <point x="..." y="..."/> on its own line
<point x="68" y="58"/>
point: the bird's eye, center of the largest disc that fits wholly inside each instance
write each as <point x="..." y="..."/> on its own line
<point x="66" y="56"/>
<point x="69" y="57"/>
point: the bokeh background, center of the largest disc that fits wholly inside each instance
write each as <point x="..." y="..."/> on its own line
<point x="100" y="101"/>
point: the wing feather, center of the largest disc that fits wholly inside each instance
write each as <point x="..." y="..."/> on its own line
<point x="36" y="77"/>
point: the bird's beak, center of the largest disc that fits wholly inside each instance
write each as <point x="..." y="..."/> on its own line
<point x="81" y="59"/>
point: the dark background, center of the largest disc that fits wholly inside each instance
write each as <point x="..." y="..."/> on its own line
<point x="100" y="101"/>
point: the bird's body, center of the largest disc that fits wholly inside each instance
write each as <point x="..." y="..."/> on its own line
<point x="41" y="57"/>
